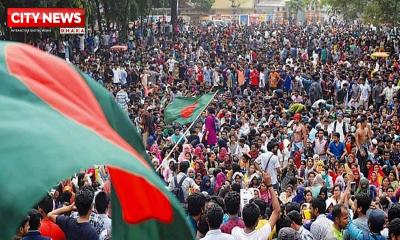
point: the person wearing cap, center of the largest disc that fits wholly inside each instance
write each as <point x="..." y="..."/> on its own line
<point x="376" y="222"/>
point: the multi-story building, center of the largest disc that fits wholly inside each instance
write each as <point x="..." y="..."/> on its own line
<point x="272" y="10"/>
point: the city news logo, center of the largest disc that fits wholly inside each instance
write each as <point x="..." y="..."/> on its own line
<point x="69" y="20"/>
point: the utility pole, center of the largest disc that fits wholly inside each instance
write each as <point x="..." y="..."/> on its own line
<point x="174" y="16"/>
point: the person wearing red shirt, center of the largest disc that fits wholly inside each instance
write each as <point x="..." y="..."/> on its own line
<point x="254" y="78"/>
<point x="47" y="227"/>
<point x="200" y="75"/>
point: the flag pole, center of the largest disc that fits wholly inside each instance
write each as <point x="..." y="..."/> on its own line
<point x="185" y="133"/>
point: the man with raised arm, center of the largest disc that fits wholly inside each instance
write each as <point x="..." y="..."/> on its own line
<point x="251" y="215"/>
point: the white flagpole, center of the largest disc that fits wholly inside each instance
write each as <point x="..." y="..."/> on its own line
<point x="186" y="132"/>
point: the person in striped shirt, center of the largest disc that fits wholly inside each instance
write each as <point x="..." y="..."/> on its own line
<point x="122" y="98"/>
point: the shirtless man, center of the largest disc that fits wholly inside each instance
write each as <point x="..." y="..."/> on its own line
<point x="363" y="140"/>
<point x="300" y="135"/>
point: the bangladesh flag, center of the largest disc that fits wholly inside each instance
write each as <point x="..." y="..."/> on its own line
<point x="185" y="110"/>
<point x="55" y="121"/>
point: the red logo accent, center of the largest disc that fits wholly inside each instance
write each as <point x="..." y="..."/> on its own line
<point x="187" y="112"/>
<point x="45" y="17"/>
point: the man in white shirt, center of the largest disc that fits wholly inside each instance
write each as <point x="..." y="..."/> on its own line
<point x="101" y="205"/>
<point x="215" y="214"/>
<point x="122" y="76"/>
<point x="389" y="92"/>
<point x="339" y="126"/>
<point x="365" y="93"/>
<point x="243" y="148"/>
<point x="251" y="216"/>
<point x="262" y="79"/>
<point x="116" y="74"/>
<point x="269" y="162"/>
<point x="171" y="64"/>
<point x="122" y="98"/>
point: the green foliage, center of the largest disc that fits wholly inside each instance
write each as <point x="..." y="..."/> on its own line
<point x="204" y="5"/>
<point x="371" y="11"/>
<point x="313" y="4"/>
<point x="295" y="6"/>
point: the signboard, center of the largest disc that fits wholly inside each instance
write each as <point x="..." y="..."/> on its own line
<point x="244" y="20"/>
<point x="246" y="195"/>
<point x="254" y="20"/>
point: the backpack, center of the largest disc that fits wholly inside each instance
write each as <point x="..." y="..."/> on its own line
<point x="178" y="191"/>
<point x="343" y="126"/>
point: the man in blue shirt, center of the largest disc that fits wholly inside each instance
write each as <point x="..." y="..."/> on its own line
<point x="34" y="224"/>
<point x="336" y="148"/>
<point x="376" y="222"/>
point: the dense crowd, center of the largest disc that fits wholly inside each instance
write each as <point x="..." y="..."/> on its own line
<point x="305" y="121"/>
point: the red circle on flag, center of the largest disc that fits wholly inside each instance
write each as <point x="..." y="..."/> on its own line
<point x="187" y="112"/>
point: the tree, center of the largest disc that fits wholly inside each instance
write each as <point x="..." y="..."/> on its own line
<point x="295" y="6"/>
<point x="349" y="9"/>
<point x="382" y="11"/>
<point x="235" y="4"/>
<point x="174" y="15"/>
<point x="204" y="5"/>
<point x="371" y="11"/>
<point x="313" y="5"/>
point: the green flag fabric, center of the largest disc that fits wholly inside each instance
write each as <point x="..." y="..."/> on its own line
<point x="185" y="110"/>
<point x="55" y="121"/>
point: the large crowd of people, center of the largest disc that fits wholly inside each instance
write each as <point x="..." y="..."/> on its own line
<point x="305" y="122"/>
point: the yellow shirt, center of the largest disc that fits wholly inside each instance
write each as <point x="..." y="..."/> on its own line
<point x="261" y="223"/>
